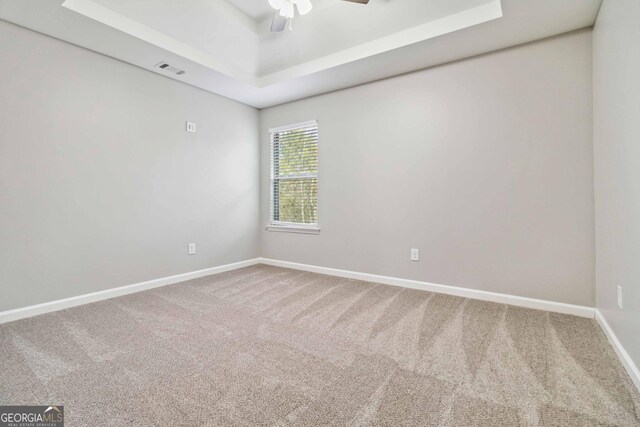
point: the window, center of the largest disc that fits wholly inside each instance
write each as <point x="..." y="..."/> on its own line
<point x="294" y="178"/>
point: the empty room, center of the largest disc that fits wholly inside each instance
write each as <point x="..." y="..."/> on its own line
<point x="319" y="213"/>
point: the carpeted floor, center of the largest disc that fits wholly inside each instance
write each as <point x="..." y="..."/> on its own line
<point x="271" y="346"/>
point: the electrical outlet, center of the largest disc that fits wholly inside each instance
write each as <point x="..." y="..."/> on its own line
<point x="415" y="254"/>
<point x="192" y="248"/>
<point x="191" y="127"/>
<point x="619" y="297"/>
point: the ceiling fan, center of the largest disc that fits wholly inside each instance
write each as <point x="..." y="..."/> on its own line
<point x="285" y="11"/>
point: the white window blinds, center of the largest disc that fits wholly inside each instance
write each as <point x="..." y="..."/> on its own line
<point x="294" y="174"/>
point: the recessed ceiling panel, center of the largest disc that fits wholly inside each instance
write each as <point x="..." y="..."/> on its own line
<point x="216" y="35"/>
<point x="224" y="46"/>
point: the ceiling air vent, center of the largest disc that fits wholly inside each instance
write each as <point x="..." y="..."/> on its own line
<point x="170" y="69"/>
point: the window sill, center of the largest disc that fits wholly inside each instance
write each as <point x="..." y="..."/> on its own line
<point x="293" y="229"/>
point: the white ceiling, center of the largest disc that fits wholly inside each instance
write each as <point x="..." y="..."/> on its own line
<point x="255" y="9"/>
<point x="225" y="45"/>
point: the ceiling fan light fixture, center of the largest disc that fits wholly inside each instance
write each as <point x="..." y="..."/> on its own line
<point x="289" y="10"/>
<point x="286" y="8"/>
<point x="277" y="4"/>
<point x="286" y="11"/>
<point x="304" y="6"/>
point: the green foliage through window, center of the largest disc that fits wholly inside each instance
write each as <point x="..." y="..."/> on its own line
<point x="294" y="175"/>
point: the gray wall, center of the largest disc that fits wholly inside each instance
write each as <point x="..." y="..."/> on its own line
<point x="617" y="167"/>
<point x="485" y="165"/>
<point x="100" y="185"/>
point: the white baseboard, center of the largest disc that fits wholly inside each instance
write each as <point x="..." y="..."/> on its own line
<point x="34" y="310"/>
<point x="624" y="357"/>
<point x="589" y="312"/>
<point x="557" y="307"/>
<point x="61" y="304"/>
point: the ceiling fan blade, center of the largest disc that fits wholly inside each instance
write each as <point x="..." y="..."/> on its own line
<point x="278" y="23"/>
<point x="358" y="1"/>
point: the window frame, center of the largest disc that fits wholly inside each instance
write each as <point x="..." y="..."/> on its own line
<point x="292" y="227"/>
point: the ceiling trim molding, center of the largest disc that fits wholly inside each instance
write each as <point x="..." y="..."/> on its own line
<point x="129" y="26"/>
<point x="212" y="64"/>
<point x="448" y="24"/>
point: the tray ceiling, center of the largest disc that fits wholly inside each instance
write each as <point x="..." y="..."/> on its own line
<point x="225" y="45"/>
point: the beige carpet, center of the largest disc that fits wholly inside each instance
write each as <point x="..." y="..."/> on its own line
<point x="271" y="346"/>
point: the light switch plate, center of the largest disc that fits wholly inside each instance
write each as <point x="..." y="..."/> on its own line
<point x="619" y="297"/>
<point x="191" y="127"/>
